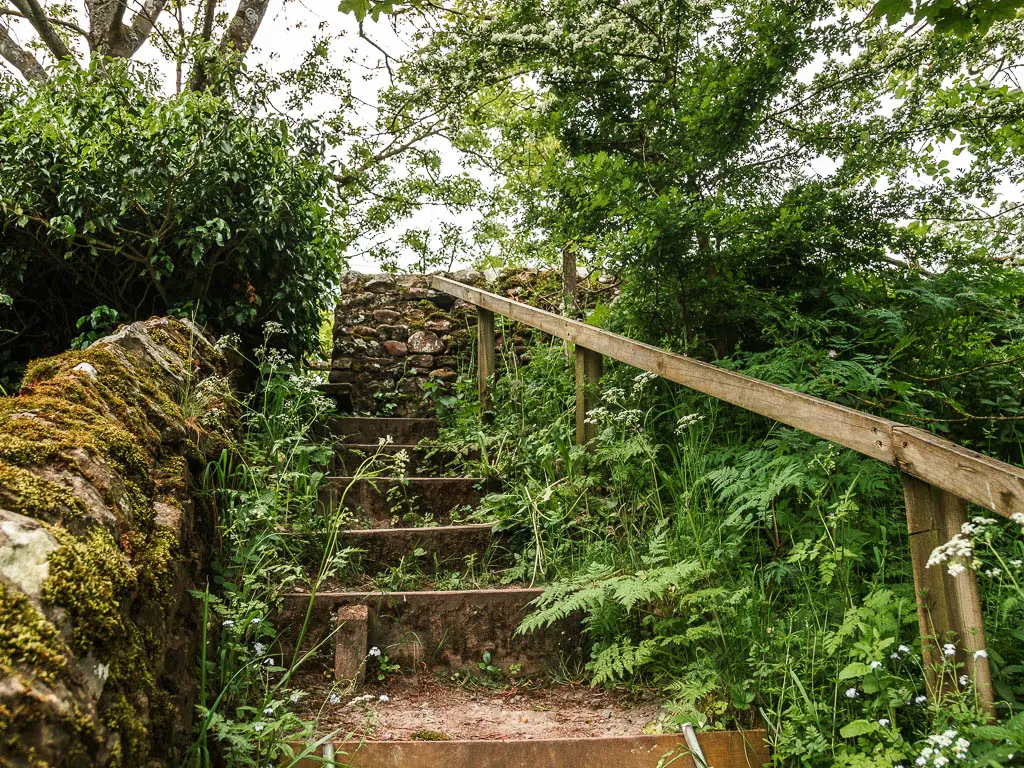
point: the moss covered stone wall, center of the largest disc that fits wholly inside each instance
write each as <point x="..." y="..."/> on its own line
<point x="100" y="540"/>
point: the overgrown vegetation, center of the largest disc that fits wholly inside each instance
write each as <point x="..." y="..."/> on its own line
<point x="751" y="573"/>
<point x="117" y="204"/>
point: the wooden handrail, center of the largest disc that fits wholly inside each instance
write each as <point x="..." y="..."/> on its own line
<point x="938" y="475"/>
<point x="985" y="481"/>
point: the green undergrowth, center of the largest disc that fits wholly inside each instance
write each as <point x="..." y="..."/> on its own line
<point x="272" y="539"/>
<point x="754" y="575"/>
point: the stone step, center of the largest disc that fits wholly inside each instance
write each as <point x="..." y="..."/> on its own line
<point x="434" y="630"/>
<point x="431" y="724"/>
<point x="381" y="501"/>
<point x="371" y="429"/>
<point x="421" y="461"/>
<point x="442" y="545"/>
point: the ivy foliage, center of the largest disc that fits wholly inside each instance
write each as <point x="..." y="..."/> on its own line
<point x="113" y="196"/>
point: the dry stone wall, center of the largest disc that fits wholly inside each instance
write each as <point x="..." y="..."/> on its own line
<point x="395" y="338"/>
<point x="100" y="540"/>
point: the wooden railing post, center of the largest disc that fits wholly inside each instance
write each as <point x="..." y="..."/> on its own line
<point x="486" y="344"/>
<point x="588" y="378"/>
<point x="948" y="607"/>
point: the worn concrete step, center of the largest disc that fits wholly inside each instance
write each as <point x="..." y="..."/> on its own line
<point x="431" y="724"/>
<point x="421" y="461"/>
<point x="415" y="500"/>
<point x="438" y="629"/>
<point x="371" y="429"/>
<point x="442" y="545"/>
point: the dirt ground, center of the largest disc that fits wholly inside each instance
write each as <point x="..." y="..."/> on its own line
<point x="435" y="710"/>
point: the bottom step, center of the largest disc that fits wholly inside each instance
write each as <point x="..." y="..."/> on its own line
<point x="722" y="749"/>
<point x="409" y="724"/>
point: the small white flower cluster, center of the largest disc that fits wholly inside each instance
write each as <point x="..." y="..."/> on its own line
<point x="688" y="421"/>
<point x="641" y="380"/>
<point x="401" y="460"/>
<point x="876" y="665"/>
<point x="1018" y="518"/>
<point x="276" y="358"/>
<point x="271" y="327"/>
<point x="375" y="652"/>
<point x="899" y="652"/>
<point x="957" y="551"/>
<point x="386" y="440"/>
<point x="228" y="341"/>
<point x="613" y="395"/>
<point x="366" y="698"/>
<point x="935" y="753"/>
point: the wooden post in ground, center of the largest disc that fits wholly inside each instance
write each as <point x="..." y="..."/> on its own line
<point x="948" y="607"/>
<point x="570" y="285"/>
<point x="486" y="344"/>
<point x="588" y="378"/>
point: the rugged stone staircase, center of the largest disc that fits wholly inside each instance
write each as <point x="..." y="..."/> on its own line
<point x="459" y="687"/>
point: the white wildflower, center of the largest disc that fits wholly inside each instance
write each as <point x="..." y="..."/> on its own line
<point x="1018" y="518"/>
<point x="955" y="569"/>
<point x="920" y="699"/>
<point x="851" y="693"/>
<point x="386" y="440"/>
<point x="687" y="421"/>
<point x="993" y="573"/>
<point x="228" y="623"/>
<point x="884" y="722"/>
<point x="949" y="649"/>
<point x="296" y="695"/>
<point x="964" y="679"/>
<point x="258" y="727"/>
<point x="260" y="649"/>
<point x="333" y="698"/>
<point x="384" y="698"/>
<point x="903" y="649"/>
<point x="876" y="665"/>
<point x="375" y="651"/>
<point x="270" y="661"/>
<point x="268" y="710"/>
<point x="981" y="653"/>
<point x="959" y="548"/>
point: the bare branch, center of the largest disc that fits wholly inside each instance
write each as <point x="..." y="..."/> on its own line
<point x="70" y="26"/>
<point x="23" y="60"/>
<point x="37" y="18"/>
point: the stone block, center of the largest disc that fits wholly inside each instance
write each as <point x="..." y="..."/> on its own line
<point x="394" y="332"/>
<point x="443" y="374"/>
<point x="422" y="361"/>
<point x="379" y="284"/>
<point x="396" y="348"/>
<point x="425" y="342"/>
<point x="351" y="639"/>
<point x="386" y="316"/>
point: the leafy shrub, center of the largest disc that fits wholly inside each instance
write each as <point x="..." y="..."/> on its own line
<point x="111" y="195"/>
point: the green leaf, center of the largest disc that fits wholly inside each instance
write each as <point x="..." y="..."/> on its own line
<point x="856" y="669"/>
<point x="858" y="728"/>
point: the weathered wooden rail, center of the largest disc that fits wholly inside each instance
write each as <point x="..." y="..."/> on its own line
<point x="939" y="476"/>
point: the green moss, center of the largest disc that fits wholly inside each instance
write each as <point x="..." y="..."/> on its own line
<point x="89" y="578"/>
<point x="28" y="637"/>
<point x="28" y="494"/>
<point x="431" y="736"/>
